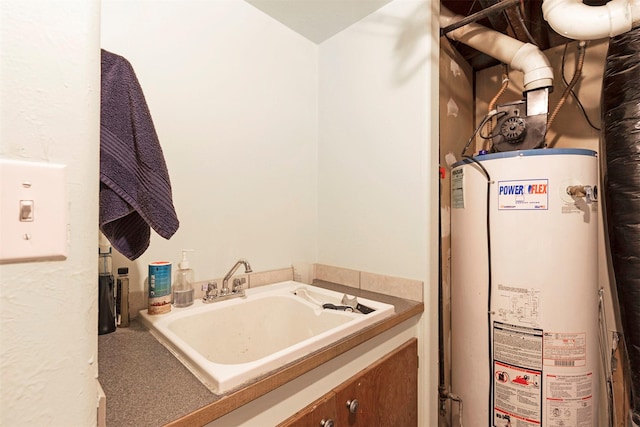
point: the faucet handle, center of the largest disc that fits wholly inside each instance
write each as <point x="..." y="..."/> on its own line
<point x="212" y="290"/>
<point x="237" y="284"/>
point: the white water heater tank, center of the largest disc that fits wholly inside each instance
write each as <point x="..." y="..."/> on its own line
<point x="524" y="289"/>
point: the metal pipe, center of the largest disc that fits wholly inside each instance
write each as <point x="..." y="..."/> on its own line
<point x="498" y="7"/>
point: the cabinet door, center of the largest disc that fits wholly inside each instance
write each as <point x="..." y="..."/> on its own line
<point x="321" y="413"/>
<point x="384" y="394"/>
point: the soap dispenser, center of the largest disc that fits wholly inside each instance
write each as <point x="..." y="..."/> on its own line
<point x="183" y="284"/>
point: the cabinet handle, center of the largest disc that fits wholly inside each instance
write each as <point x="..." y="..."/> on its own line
<point x="327" y="423"/>
<point x="352" y="405"/>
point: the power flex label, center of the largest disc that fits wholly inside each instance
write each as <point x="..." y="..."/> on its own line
<point x="530" y="194"/>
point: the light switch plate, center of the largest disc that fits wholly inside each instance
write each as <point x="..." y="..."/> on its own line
<point x="33" y="211"/>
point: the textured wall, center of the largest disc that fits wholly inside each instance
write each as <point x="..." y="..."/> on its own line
<point x="49" y="112"/>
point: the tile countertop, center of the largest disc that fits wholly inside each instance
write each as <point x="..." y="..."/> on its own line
<point x="146" y="385"/>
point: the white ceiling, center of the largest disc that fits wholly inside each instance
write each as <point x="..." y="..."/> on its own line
<point x="318" y="20"/>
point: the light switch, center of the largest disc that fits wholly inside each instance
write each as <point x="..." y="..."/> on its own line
<point x="26" y="210"/>
<point x="33" y="211"/>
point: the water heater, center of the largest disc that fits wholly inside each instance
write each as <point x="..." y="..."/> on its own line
<point x="524" y="290"/>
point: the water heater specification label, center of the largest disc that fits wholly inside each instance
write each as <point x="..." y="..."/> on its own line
<point x="565" y="349"/>
<point x="529" y="194"/>
<point x="457" y="188"/>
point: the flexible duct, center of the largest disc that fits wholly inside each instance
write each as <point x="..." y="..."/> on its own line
<point x="576" y="20"/>
<point x="520" y="56"/>
<point x="621" y="176"/>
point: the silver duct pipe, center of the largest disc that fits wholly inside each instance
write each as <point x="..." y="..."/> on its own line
<point x="620" y="159"/>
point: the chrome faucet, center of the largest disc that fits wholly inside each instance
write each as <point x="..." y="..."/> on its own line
<point x="213" y="294"/>
<point x="237" y="285"/>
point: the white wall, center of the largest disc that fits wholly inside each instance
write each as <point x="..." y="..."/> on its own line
<point x="49" y="112"/>
<point x="375" y="158"/>
<point x="378" y="158"/>
<point x="233" y="96"/>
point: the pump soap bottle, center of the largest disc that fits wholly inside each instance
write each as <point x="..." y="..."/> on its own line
<point x="183" y="285"/>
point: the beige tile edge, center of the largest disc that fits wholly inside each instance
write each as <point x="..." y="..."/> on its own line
<point x="388" y="285"/>
<point x="342" y="276"/>
<point x="395" y="286"/>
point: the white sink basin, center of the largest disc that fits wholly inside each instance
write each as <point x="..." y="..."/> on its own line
<point x="228" y="343"/>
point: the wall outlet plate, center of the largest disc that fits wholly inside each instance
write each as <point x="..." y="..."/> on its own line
<point x="33" y="211"/>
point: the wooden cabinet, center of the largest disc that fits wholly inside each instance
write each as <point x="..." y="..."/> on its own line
<point x="321" y="413"/>
<point x="384" y="394"/>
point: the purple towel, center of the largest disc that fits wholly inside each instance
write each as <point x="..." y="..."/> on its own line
<point x="135" y="190"/>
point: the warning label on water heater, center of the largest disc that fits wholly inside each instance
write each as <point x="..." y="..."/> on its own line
<point x="529" y="194"/>
<point x="569" y="400"/>
<point x="517" y="370"/>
